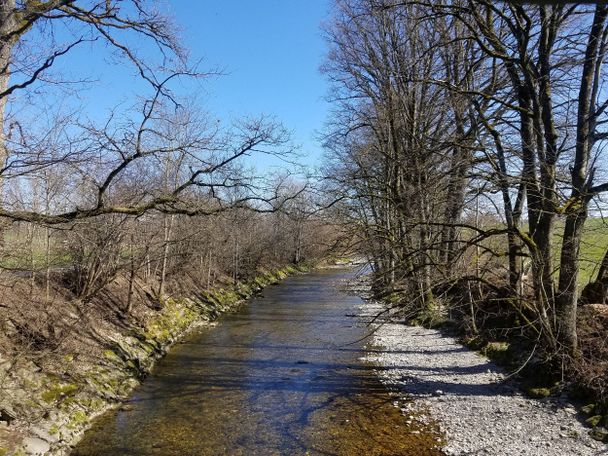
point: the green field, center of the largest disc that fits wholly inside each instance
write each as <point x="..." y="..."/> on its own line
<point x="593" y="247"/>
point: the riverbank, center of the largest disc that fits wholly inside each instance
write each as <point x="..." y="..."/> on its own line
<point x="478" y="410"/>
<point x="283" y="375"/>
<point x="48" y="401"/>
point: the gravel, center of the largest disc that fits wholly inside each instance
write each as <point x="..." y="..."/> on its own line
<point x="478" y="411"/>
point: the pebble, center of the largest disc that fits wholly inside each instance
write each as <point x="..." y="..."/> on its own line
<point x="477" y="411"/>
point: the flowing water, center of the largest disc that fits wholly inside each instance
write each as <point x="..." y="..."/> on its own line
<point x="282" y="376"/>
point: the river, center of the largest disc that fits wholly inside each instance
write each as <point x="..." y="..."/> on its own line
<point x="284" y="375"/>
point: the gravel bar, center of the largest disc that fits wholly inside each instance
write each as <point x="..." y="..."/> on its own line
<point x="478" y="412"/>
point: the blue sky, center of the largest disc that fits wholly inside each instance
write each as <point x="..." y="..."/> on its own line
<point x="270" y="52"/>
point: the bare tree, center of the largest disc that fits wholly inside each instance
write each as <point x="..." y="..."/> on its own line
<point x="442" y="104"/>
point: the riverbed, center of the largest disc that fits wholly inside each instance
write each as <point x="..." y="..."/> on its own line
<point x="285" y="375"/>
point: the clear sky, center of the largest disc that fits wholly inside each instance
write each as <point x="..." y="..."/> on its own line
<point x="270" y="52"/>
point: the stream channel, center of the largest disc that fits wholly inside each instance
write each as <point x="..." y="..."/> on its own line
<point x="284" y="375"/>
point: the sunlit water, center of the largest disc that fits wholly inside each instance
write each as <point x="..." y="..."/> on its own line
<point x="283" y="376"/>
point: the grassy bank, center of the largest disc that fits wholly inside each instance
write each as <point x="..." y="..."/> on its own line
<point x="593" y="247"/>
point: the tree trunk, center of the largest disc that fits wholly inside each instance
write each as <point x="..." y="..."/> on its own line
<point x="568" y="282"/>
<point x="236" y="260"/>
<point x="47" y="263"/>
<point x="7" y="25"/>
<point x="131" y="276"/>
<point x="576" y="207"/>
<point x="455" y="202"/>
<point x="209" y="271"/>
<point x="168" y="227"/>
<point x="7" y="43"/>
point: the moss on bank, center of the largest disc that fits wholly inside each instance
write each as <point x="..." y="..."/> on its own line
<point x="67" y="402"/>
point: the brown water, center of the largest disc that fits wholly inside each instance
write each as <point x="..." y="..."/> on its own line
<point x="283" y="376"/>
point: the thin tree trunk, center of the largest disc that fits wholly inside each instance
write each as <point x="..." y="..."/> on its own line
<point x="168" y="228"/>
<point x="47" y="263"/>
<point x="30" y="235"/>
<point x="236" y="260"/>
<point x="131" y="275"/>
<point x="209" y="271"/>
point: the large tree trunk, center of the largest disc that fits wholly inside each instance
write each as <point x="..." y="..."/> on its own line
<point x="540" y="230"/>
<point x="567" y="297"/>
<point x="7" y="42"/>
<point x="576" y="208"/>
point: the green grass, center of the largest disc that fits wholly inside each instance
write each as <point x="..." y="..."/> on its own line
<point x="24" y="262"/>
<point x="593" y="247"/>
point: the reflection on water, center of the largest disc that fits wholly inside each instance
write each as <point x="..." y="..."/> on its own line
<point x="281" y="377"/>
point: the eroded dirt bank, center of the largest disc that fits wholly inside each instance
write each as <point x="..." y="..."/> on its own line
<point x="50" y="396"/>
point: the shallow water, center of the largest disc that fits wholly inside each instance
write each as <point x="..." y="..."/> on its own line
<point x="283" y="376"/>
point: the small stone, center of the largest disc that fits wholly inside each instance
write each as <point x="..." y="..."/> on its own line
<point x="34" y="445"/>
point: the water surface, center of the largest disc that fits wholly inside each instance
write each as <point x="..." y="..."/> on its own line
<point x="282" y="376"/>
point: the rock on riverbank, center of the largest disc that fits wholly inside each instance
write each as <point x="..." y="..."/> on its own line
<point x="478" y="411"/>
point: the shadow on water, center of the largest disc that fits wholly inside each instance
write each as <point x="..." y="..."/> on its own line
<point x="284" y="376"/>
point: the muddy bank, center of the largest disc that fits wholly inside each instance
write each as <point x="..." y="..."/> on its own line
<point x="54" y="397"/>
<point x="476" y="408"/>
